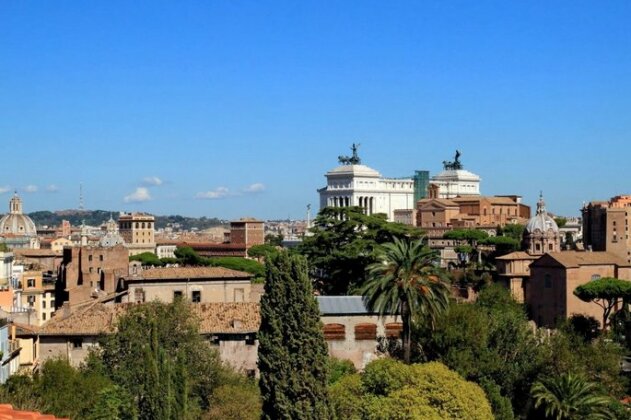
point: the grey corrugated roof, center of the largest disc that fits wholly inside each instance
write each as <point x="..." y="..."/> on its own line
<point x="342" y="305"/>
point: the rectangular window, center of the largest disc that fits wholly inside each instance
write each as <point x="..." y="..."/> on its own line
<point x="30" y="283"/>
<point x="44" y="316"/>
<point x="100" y="257"/>
<point x="177" y="295"/>
<point x="196" y="296"/>
<point x="43" y="304"/>
<point x="89" y="257"/>
<point x="77" y="343"/>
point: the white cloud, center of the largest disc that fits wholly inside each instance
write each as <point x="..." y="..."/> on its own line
<point x="141" y="194"/>
<point x="217" y="193"/>
<point x="152" y="181"/>
<point x="5" y="189"/>
<point x="254" y="188"/>
<point x="31" y="188"/>
<point x="52" y="188"/>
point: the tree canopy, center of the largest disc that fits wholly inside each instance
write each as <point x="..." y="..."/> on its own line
<point x="343" y="243"/>
<point x="388" y="389"/>
<point x="293" y="358"/>
<point x="606" y="292"/>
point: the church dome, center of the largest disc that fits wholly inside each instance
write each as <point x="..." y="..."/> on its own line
<point x="541" y="221"/>
<point x="354" y="170"/>
<point x="15" y="222"/>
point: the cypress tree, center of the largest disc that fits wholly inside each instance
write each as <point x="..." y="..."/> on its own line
<point x="292" y="351"/>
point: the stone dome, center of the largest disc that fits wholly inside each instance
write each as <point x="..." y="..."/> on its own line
<point x="354" y="170"/>
<point x="541" y="221"/>
<point x="15" y="222"/>
<point x="456" y="175"/>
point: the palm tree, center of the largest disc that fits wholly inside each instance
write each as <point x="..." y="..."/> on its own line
<point x="406" y="280"/>
<point x="568" y="397"/>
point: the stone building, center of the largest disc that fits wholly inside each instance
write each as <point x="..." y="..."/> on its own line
<point x="247" y="231"/>
<point x="89" y="272"/>
<point x="549" y="292"/>
<point x="541" y="235"/>
<point x="454" y="181"/>
<point x="606" y="226"/>
<point x="353" y="332"/>
<point x="197" y="284"/>
<point x="137" y="230"/>
<point x="437" y="216"/>
<point x="17" y="230"/>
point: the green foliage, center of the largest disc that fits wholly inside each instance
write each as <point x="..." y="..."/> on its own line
<point x="585" y="327"/>
<point x="407" y="280"/>
<point x="158" y="356"/>
<point x="293" y="357"/>
<point x="4" y="247"/>
<point x="514" y="230"/>
<point x="606" y="292"/>
<point x="338" y="368"/>
<point x="59" y="389"/>
<point x="187" y="256"/>
<point x="262" y="251"/>
<point x="274" y="240"/>
<point x="597" y="361"/>
<point x="147" y="258"/>
<point x="113" y="403"/>
<point x="503" y="244"/>
<point x="343" y="243"/>
<point x="491" y="343"/>
<point x="471" y="235"/>
<point x="392" y="390"/>
<point x="570" y="397"/>
<point x="236" y="401"/>
<point x="239" y="264"/>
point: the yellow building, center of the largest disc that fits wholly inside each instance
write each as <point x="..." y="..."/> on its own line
<point x="138" y="231"/>
<point x="36" y="296"/>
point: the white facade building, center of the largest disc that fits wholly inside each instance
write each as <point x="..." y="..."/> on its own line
<point x="456" y="182"/>
<point x="359" y="185"/>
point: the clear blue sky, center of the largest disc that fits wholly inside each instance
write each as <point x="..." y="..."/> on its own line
<point x="240" y="107"/>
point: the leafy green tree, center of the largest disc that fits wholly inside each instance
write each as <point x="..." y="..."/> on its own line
<point x="514" y="230"/>
<point x="293" y="357"/>
<point x="274" y="240"/>
<point x="187" y="256"/>
<point x="560" y="221"/>
<point x="491" y="343"/>
<point x="407" y="280"/>
<point x="159" y="357"/>
<point x="262" y="251"/>
<point x="147" y="258"/>
<point x="4" y="247"/>
<point x="239" y="264"/>
<point x="343" y="243"/>
<point x="606" y="292"/>
<point x="392" y="390"/>
<point x="113" y="403"/>
<point x="338" y="368"/>
<point x="570" y="397"/>
<point x="236" y="401"/>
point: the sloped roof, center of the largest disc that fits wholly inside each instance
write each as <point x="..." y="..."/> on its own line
<point x="97" y="319"/>
<point x="517" y="255"/>
<point x="165" y="273"/>
<point x="570" y="259"/>
<point x="437" y="202"/>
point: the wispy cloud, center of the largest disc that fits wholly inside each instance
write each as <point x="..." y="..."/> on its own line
<point x="141" y="194"/>
<point x="254" y="188"/>
<point x="52" y="188"/>
<point x="152" y="181"/>
<point x="5" y="189"/>
<point x="31" y="188"/>
<point x="217" y="193"/>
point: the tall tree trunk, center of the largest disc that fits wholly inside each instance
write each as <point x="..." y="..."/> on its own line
<point x="407" y="336"/>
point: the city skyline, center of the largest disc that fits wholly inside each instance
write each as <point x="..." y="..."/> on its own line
<point x="231" y="110"/>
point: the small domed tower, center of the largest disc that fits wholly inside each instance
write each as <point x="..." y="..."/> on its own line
<point x="542" y="233"/>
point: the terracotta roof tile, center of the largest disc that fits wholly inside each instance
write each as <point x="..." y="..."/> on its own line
<point x="578" y="258"/>
<point x="192" y="273"/>
<point x="97" y="319"/>
<point x="518" y="255"/>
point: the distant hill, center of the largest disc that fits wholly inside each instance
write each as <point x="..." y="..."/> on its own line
<point x="97" y="217"/>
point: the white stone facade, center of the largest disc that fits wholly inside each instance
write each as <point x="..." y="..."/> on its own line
<point x="453" y="183"/>
<point x="359" y="185"/>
